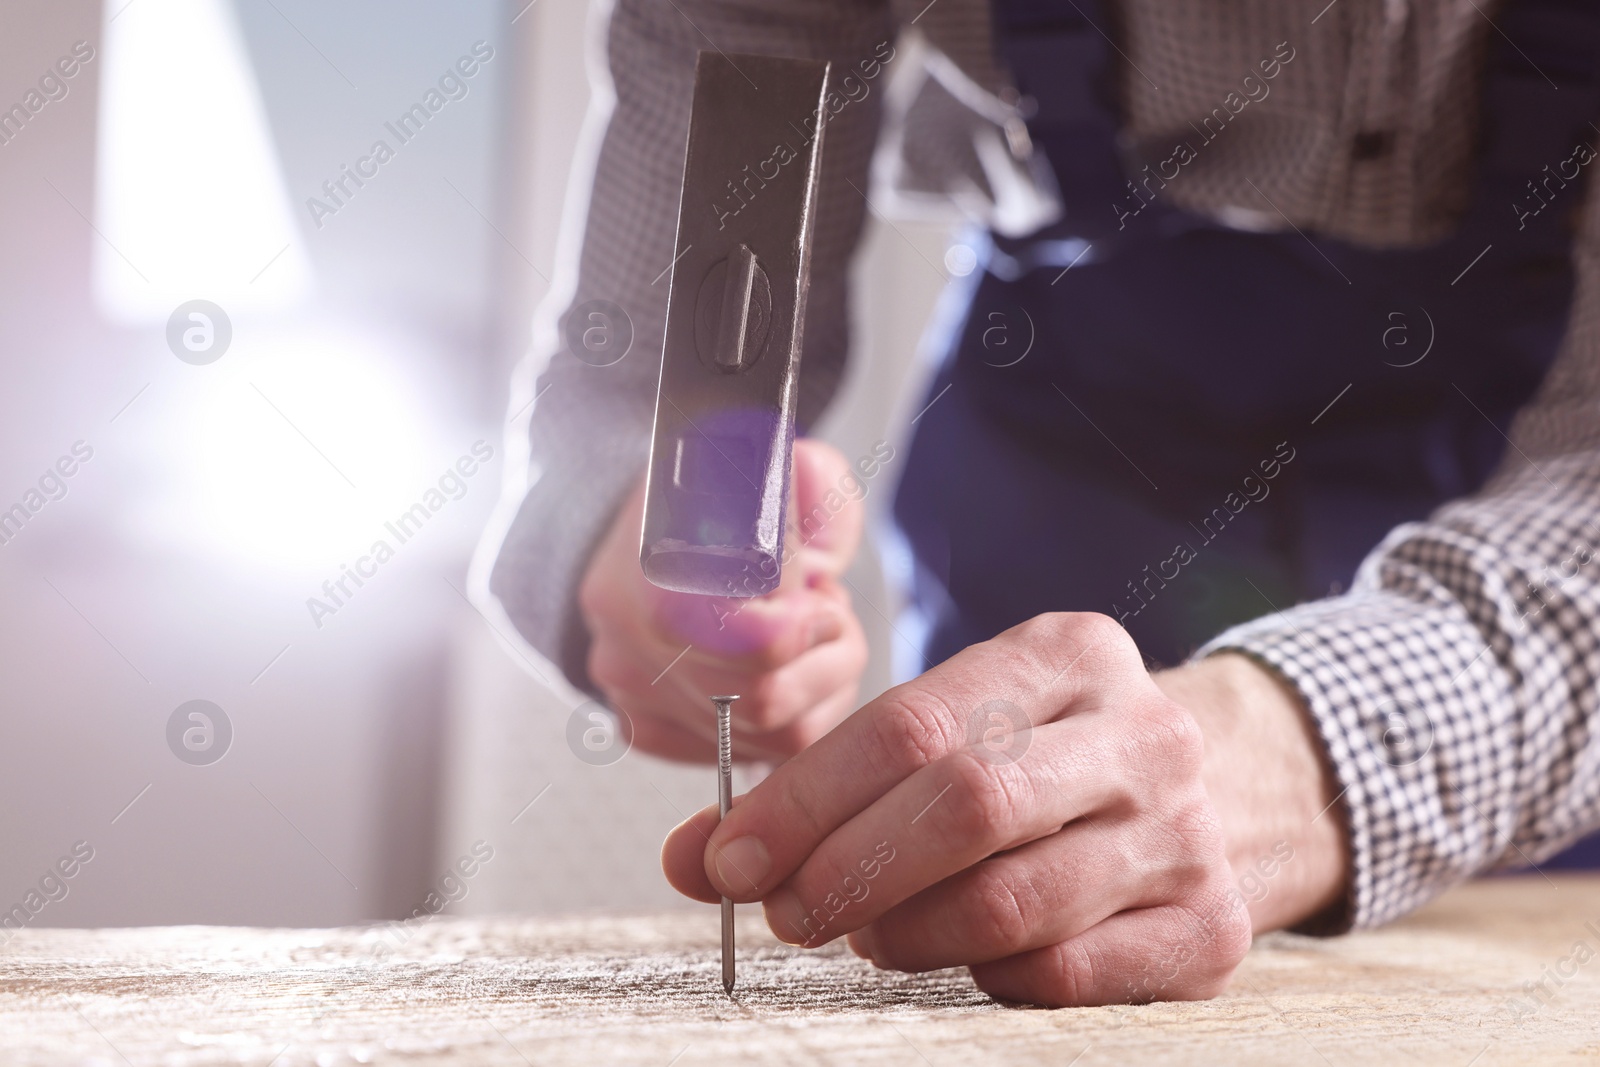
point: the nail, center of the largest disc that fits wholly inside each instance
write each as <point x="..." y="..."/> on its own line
<point x="740" y="865"/>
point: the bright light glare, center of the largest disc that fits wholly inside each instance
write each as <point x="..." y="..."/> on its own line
<point x="190" y="198"/>
<point x="256" y="467"/>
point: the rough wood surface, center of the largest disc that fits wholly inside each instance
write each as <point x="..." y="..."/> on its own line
<point x="1456" y="984"/>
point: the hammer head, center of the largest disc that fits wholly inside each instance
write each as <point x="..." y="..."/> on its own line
<point x="718" y="481"/>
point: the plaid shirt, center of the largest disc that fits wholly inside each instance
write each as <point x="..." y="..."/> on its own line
<point x="1455" y="683"/>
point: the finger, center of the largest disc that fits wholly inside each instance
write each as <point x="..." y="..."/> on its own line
<point x="1040" y="894"/>
<point x="942" y="820"/>
<point x="1050" y="663"/>
<point x="681" y="856"/>
<point x="626" y="663"/>
<point x="765" y="631"/>
<point x="825" y="518"/>
<point x="784" y="707"/>
<point x="670" y="741"/>
<point x="1176" y="952"/>
<point x="677" y="686"/>
<point x="629" y="688"/>
<point x="783" y="743"/>
<point x="826" y="513"/>
<point x="771" y="700"/>
<point x="681" y="851"/>
<point x="666" y="738"/>
<point x="753" y="634"/>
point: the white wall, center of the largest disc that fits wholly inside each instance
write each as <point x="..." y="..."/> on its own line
<point x="369" y="753"/>
<point x="120" y="606"/>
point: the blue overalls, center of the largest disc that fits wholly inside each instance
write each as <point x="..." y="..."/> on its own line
<point x="1212" y="423"/>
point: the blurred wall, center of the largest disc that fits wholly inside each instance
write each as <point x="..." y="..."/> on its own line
<point x="366" y="753"/>
<point x="219" y="498"/>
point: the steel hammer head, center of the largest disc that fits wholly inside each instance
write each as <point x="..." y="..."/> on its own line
<point x="718" y="482"/>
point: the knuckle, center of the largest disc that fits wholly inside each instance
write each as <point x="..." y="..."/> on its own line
<point x="981" y="808"/>
<point x="1065" y="639"/>
<point x="1076" y="973"/>
<point x="768" y="656"/>
<point x="766" y="703"/>
<point x="1234" y="940"/>
<point x="1024" y="657"/>
<point x="1194" y="824"/>
<point x="1186" y="741"/>
<point x="1227" y="935"/>
<point x="1182" y="840"/>
<point x="1047" y="628"/>
<point x="912" y="729"/>
<point x="1092" y="628"/>
<point x="1004" y="911"/>
<point x="1197" y="836"/>
<point x="1170" y="736"/>
<point x="1214" y="935"/>
<point x="1084" y="629"/>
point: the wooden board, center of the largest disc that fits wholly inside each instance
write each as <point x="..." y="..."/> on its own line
<point x="1450" y="985"/>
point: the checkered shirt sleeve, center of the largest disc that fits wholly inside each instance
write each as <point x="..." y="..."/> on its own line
<point x="1457" y="684"/>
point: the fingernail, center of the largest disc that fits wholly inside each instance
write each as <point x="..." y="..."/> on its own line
<point x="741" y="864"/>
<point x="786" y="918"/>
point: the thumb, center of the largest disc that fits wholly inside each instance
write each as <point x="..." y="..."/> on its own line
<point x="826" y="514"/>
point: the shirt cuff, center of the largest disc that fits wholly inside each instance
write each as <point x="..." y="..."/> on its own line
<point x="1403" y="693"/>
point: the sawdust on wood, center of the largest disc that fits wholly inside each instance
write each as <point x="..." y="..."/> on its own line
<point x="1489" y="971"/>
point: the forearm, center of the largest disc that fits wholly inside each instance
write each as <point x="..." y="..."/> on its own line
<point x="1453" y="687"/>
<point x="1273" y="791"/>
